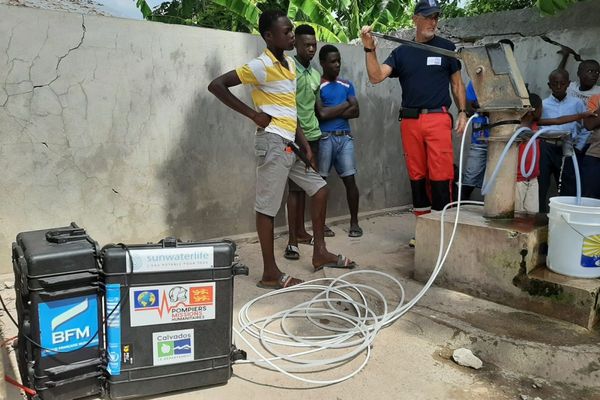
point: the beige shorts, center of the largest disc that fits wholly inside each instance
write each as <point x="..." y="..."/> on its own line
<point x="527" y="196"/>
<point x="275" y="166"/>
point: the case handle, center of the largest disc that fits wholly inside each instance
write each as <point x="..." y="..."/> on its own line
<point x="71" y="234"/>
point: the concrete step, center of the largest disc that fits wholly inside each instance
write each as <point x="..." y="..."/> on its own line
<point x="504" y="261"/>
<point x="559" y="296"/>
<point x="515" y="341"/>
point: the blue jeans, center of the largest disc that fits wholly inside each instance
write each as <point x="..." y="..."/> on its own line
<point x="475" y="168"/>
<point x="337" y="151"/>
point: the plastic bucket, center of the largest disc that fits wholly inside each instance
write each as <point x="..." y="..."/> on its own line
<point x="574" y="237"/>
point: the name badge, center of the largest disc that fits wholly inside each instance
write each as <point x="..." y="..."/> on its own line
<point x="434" y="60"/>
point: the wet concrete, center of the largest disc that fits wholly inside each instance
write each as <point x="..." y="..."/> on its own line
<point x="411" y="358"/>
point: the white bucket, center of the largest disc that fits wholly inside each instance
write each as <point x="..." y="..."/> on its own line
<point x="574" y="237"/>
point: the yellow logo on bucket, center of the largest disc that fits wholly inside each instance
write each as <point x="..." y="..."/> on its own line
<point x="590" y="252"/>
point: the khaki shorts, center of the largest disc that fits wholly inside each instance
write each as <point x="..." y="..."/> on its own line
<point x="527" y="197"/>
<point x="275" y="165"/>
<point x="314" y="147"/>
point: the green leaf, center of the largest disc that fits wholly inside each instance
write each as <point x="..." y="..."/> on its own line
<point x="187" y="8"/>
<point x="292" y="11"/>
<point x="551" y="7"/>
<point x="323" y="34"/>
<point x="320" y="15"/>
<point x="144" y="8"/>
<point x="244" y="8"/>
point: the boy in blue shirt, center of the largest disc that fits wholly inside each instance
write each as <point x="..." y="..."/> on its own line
<point x="336" y="104"/>
<point x="558" y="104"/>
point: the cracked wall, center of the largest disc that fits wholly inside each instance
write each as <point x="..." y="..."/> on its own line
<point x="107" y="122"/>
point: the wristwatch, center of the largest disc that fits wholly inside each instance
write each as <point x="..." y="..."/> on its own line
<point x="368" y="50"/>
<point x="462" y="110"/>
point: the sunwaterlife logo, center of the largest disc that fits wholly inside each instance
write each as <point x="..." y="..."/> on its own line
<point x="66" y="335"/>
<point x="172" y="259"/>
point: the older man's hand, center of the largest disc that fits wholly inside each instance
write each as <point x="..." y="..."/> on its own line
<point x="368" y="40"/>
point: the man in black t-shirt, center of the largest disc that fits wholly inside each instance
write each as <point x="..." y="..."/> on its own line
<point x="426" y="125"/>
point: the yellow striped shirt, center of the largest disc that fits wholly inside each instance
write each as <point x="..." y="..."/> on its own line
<point x="273" y="92"/>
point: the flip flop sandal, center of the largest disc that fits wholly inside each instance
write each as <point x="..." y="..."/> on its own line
<point x="342" y="263"/>
<point x="283" y="282"/>
<point x="311" y="242"/>
<point x="292" y="252"/>
<point x="328" y="232"/>
<point x="355" y="232"/>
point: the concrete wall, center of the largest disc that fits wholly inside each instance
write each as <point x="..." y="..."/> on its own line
<point x="576" y="27"/>
<point x="108" y="122"/>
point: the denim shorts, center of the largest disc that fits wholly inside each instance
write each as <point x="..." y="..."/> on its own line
<point x="475" y="168"/>
<point x="337" y="151"/>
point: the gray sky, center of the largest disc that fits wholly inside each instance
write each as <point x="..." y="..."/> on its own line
<point x="125" y="8"/>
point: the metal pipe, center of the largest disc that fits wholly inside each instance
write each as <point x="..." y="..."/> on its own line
<point x="433" y="49"/>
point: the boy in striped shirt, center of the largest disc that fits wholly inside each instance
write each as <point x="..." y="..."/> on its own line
<point x="272" y="76"/>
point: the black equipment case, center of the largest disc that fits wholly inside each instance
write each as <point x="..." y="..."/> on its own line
<point x="59" y="311"/>
<point x="170" y="310"/>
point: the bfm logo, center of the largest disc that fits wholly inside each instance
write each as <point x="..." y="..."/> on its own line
<point x="68" y="324"/>
<point x="73" y="333"/>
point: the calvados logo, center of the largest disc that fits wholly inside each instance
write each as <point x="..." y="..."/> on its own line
<point x="145" y="299"/>
<point x="590" y="252"/>
<point x="173" y="347"/>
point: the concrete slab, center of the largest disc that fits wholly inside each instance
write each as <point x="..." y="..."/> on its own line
<point x="503" y="261"/>
<point x="411" y="357"/>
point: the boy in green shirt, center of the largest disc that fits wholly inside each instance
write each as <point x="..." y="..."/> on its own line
<point x="308" y="80"/>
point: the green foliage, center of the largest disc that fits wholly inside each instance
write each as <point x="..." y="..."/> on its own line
<point x="551" y="7"/>
<point x="477" y="7"/>
<point x="451" y="8"/>
<point x="333" y="20"/>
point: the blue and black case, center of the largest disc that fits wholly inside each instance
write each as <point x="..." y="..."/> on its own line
<point x="59" y="309"/>
<point x="170" y="308"/>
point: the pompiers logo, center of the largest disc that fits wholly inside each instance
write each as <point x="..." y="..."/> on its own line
<point x="178" y="294"/>
<point x="68" y="334"/>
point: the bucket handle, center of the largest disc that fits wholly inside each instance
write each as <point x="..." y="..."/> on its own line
<point x="579" y="223"/>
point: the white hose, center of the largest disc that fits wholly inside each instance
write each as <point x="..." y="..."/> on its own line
<point x="577" y="177"/>
<point x="487" y="186"/>
<point x="361" y="323"/>
<point x="530" y="144"/>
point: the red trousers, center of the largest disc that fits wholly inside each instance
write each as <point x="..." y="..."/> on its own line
<point x="428" y="152"/>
